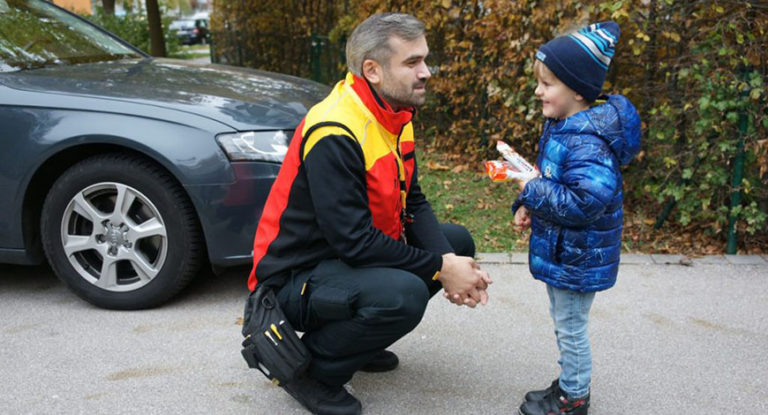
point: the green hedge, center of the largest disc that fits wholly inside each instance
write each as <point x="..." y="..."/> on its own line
<point x="695" y="69"/>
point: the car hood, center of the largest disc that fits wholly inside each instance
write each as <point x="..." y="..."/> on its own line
<point x="241" y="98"/>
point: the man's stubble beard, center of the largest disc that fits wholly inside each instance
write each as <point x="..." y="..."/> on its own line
<point x="402" y="99"/>
<point x="396" y="101"/>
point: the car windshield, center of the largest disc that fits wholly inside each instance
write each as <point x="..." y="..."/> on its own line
<point x="35" y="34"/>
<point x="182" y="24"/>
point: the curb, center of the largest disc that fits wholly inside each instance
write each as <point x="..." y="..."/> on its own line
<point x="520" y="258"/>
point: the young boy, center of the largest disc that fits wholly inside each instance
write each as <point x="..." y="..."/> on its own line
<point x="575" y="208"/>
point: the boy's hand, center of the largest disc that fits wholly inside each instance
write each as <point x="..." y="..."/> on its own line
<point x="522" y="219"/>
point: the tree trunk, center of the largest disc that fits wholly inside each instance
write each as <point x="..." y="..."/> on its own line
<point x="156" y="40"/>
<point x="109" y="7"/>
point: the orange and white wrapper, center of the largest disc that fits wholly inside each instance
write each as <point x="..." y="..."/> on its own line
<point x="514" y="166"/>
<point x="519" y="162"/>
<point x="503" y="171"/>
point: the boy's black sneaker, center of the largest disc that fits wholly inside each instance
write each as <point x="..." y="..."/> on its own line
<point x="384" y="361"/>
<point x="556" y="403"/>
<point x="322" y="399"/>
<point x="540" y="394"/>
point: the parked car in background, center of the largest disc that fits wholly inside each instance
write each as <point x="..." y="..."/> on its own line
<point x="191" y="31"/>
<point x="129" y="173"/>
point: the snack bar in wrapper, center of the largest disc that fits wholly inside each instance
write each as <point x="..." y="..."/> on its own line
<point x="513" y="167"/>
<point x="502" y="171"/>
<point x="510" y="155"/>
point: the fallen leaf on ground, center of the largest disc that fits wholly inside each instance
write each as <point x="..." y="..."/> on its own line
<point x="460" y="168"/>
<point x="436" y="166"/>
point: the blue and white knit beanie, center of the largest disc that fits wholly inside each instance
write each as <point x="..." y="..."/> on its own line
<point x="581" y="59"/>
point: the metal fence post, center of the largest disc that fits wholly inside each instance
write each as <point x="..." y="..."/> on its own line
<point x="314" y="57"/>
<point x="738" y="174"/>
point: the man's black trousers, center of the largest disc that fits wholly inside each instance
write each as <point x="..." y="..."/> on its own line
<point x="348" y="315"/>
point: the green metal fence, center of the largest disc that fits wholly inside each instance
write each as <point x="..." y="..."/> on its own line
<point x="315" y="57"/>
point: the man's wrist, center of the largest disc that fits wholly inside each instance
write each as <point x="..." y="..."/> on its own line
<point x="444" y="259"/>
<point x="439" y="268"/>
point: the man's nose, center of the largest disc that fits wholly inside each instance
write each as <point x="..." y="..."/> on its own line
<point x="424" y="73"/>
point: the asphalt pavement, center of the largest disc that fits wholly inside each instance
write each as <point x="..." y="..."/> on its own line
<point x="674" y="336"/>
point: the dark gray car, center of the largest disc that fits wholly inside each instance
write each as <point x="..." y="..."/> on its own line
<point x="190" y="31"/>
<point x="127" y="172"/>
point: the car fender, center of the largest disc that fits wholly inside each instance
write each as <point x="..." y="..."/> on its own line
<point x="59" y="140"/>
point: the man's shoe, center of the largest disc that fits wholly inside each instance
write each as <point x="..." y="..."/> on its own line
<point x="540" y="394"/>
<point x="556" y="403"/>
<point x="322" y="399"/>
<point x="384" y="361"/>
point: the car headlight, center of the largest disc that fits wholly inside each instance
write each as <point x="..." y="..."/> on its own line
<point x="255" y="145"/>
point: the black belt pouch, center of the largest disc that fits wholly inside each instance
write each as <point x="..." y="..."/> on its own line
<point x="271" y="345"/>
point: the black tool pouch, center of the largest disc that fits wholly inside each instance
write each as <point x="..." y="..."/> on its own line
<point x="271" y="345"/>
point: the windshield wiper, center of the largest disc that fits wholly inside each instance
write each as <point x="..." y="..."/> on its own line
<point x="76" y="60"/>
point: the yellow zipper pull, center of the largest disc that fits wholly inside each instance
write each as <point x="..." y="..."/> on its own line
<point x="274" y="329"/>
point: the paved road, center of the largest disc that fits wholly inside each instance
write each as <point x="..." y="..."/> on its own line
<point x="668" y="339"/>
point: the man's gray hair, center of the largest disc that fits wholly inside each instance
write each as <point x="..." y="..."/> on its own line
<point x="370" y="39"/>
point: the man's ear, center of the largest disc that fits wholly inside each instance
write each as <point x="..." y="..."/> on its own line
<point x="579" y="98"/>
<point x="372" y="71"/>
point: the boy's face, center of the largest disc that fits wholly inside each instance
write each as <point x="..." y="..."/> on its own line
<point x="558" y="100"/>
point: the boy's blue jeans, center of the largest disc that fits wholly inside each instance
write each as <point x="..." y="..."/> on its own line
<point x="570" y="313"/>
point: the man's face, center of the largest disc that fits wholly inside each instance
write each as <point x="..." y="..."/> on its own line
<point x="404" y="78"/>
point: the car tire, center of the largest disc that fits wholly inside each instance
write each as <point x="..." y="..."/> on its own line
<point x="134" y="257"/>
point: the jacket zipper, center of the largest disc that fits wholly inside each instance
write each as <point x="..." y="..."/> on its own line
<point x="404" y="217"/>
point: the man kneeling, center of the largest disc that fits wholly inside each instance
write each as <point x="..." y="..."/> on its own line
<point x="347" y="239"/>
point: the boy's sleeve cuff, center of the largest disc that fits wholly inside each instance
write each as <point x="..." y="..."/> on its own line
<point x="516" y="205"/>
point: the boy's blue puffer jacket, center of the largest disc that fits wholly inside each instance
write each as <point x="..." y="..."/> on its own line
<point x="576" y="206"/>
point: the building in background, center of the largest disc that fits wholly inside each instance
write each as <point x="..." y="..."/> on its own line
<point x="77" y="6"/>
<point x="179" y="8"/>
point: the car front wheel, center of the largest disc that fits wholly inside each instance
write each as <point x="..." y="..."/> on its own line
<point x="120" y="232"/>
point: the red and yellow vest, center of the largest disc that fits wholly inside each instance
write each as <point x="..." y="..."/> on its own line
<point x="374" y="139"/>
